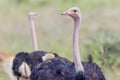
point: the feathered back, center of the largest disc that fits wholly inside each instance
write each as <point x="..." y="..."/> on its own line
<point x="90" y="59"/>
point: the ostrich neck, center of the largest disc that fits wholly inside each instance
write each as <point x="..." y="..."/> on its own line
<point x="33" y="34"/>
<point x="76" y="53"/>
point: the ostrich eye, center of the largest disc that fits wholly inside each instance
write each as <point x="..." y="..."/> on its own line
<point x="74" y="10"/>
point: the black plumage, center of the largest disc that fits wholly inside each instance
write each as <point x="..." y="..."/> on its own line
<point x="31" y="59"/>
<point x="54" y="69"/>
<point x="62" y="69"/>
<point x="19" y="58"/>
<point x="92" y="71"/>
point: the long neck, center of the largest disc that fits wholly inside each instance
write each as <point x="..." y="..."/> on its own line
<point x="33" y="34"/>
<point x="76" y="53"/>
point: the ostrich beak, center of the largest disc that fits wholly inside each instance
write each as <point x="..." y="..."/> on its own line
<point x="66" y="13"/>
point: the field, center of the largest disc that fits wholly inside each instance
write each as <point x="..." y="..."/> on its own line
<point x="99" y="32"/>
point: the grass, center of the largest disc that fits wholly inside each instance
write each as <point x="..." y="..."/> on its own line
<point x="99" y="30"/>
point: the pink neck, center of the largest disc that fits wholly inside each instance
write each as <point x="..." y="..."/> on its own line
<point x="33" y="33"/>
<point x="76" y="53"/>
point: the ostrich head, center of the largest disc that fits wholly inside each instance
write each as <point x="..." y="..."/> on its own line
<point x="74" y="12"/>
<point x="32" y="15"/>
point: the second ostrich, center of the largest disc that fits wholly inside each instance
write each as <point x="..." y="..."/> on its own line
<point x="63" y="69"/>
<point x="25" y="62"/>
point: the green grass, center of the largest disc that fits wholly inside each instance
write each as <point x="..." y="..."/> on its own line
<point x="99" y="34"/>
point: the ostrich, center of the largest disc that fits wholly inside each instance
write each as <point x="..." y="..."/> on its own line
<point x="62" y="69"/>
<point x="25" y="62"/>
<point x="90" y="70"/>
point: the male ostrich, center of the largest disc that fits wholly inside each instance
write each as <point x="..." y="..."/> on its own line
<point x="24" y="62"/>
<point x="90" y="70"/>
<point x="62" y="69"/>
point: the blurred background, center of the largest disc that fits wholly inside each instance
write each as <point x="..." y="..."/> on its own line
<point x="99" y="33"/>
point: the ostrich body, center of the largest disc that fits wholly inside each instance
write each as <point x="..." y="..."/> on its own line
<point x="63" y="69"/>
<point x="24" y="62"/>
<point x="54" y="69"/>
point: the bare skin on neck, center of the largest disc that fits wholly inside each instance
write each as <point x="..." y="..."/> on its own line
<point x="76" y="16"/>
<point x="32" y="16"/>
